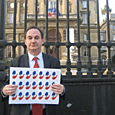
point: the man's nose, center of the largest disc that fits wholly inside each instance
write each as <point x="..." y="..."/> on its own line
<point x="33" y="39"/>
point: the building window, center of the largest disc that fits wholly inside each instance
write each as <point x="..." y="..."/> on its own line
<point x="113" y="27"/>
<point x="9" y="51"/>
<point x="24" y="5"/>
<point x="12" y="5"/>
<point x="104" y="61"/>
<point x="60" y="2"/>
<point x="64" y="35"/>
<point x="76" y="35"/>
<point x="11" y="15"/>
<point x="84" y="4"/>
<point x="85" y="37"/>
<point x="51" y="5"/>
<point x="21" y="50"/>
<point x="71" y="37"/>
<point x="52" y="9"/>
<point x="70" y="7"/>
<point x="102" y="38"/>
<point x="84" y="18"/>
<point x="114" y="37"/>
<point x="103" y="48"/>
<point x="23" y="17"/>
<point x="85" y="51"/>
<point x="38" y="8"/>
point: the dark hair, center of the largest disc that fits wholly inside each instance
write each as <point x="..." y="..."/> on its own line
<point x="33" y="27"/>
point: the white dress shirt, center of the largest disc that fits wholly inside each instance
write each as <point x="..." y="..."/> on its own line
<point x="32" y="62"/>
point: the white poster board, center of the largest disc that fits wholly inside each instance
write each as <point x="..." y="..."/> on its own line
<point x="34" y="85"/>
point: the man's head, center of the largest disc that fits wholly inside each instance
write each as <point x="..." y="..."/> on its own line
<point x="34" y="40"/>
<point x="33" y="27"/>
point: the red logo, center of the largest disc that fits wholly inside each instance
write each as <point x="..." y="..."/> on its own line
<point x="14" y="98"/>
<point x="41" y="87"/>
<point x="21" y="87"/>
<point x="46" y="98"/>
<point x="41" y="77"/>
<point x="28" y="97"/>
<point x="34" y="97"/>
<point x="14" y="76"/>
<point x="53" y="98"/>
<point x="21" y="76"/>
<point x="34" y="77"/>
<point x="27" y="77"/>
<point x="40" y="97"/>
<point x="21" y="96"/>
<point x="54" y="77"/>
<point x="34" y="87"/>
<point x="48" y="77"/>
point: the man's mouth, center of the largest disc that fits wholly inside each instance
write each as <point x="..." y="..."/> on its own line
<point x="33" y="45"/>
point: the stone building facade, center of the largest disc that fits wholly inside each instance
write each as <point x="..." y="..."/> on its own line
<point x="104" y="34"/>
<point x="52" y="26"/>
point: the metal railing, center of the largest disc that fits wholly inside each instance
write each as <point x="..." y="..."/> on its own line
<point x="80" y="79"/>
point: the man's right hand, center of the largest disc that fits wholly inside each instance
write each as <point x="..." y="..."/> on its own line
<point x="9" y="89"/>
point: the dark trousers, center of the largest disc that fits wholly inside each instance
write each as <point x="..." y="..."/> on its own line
<point x="44" y="112"/>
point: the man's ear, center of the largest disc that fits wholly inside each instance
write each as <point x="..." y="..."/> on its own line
<point x="42" y="40"/>
<point x="25" y="41"/>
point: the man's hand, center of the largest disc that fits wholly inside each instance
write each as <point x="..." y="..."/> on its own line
<point x="57" y="88"/>
<point x="9" y="89"/>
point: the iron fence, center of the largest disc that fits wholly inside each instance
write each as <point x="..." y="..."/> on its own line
<point x="86" y="93"/>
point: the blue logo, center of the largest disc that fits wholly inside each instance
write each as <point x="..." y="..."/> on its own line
<point x="28" y="85"/>
<point x="34" y="86"/>
<point x="34" y="95"/>
<point x="13" y="83"/>
<point x="41" y="75"/>
<point x="21" y="75"/>
<point x="14" y="75"/>
<point x="54" y="75"/>
<point x="40" y="85"/>
<point x="54" y="96"/>
<point x="21" y="96"/>
<point x="34" y="75"/>
<point x="28" y="75"/>
<point x="47" y="86"/>
<point x="21" y="86"/>
<point x="40" y="96"/>
<point x="47" y="96"/>
<point x="27" y="96"/>
<point x="53" y="83"/>
<point x="48" y="75"/>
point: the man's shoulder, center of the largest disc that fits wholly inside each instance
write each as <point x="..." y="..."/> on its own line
<point x="51" y="62"/>
<point x="20" y="57"/>
<point x="50" y="57"/>
<point x="17" y="60"/>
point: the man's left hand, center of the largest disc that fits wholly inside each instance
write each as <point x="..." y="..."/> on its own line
<point x="57" y="88"/>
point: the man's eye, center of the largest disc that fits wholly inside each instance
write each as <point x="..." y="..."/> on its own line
<point x="37" y="38"/>
<point x="30" y="38"/>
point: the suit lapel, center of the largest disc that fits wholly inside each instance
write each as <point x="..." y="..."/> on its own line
<point x="46" y="61"/>
<point x="24" y="61"/>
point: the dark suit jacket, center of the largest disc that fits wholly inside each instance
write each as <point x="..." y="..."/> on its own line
<point x="22" y="61"/>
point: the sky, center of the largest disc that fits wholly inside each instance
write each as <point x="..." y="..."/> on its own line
<point x="111" y="5"/>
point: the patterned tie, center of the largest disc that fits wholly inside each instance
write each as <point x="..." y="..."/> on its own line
<point x="37" y="109"/>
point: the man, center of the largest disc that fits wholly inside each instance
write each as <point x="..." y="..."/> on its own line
<point x="33" y="40"/>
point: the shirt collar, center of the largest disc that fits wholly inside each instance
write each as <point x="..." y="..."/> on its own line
<point x="32" y="56"/>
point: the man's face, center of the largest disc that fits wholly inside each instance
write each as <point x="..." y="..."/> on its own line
<point x="33" y="40"/>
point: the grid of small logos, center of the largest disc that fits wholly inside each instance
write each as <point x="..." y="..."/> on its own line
<point x="34" y="85"/>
